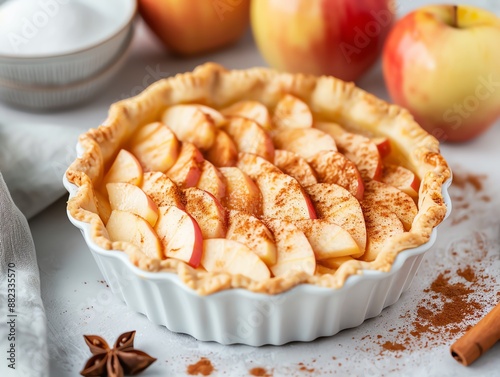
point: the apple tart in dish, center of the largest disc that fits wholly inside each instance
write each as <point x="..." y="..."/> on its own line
<point x="216" y="192"/>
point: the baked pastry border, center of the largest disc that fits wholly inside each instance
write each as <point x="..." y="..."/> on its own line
<point x="213" y="85"/>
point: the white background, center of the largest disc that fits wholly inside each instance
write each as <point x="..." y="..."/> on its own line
<point x="78" y="303"/>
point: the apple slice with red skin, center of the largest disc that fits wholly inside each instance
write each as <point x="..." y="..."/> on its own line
<point x="186" y="171"/>
<point x="294" y="252"/>
<point x="252" y="232"/>
<point x="221" y="255"/>
<point x="207" y="211"/>
<point x="212" y="181"/>
<point x="295" y="166"/>
<point x="306" y="142"/>
<point x="242" y="194"/>
<point x="253" y="110"/>
<point x="357" y="148"/>
<point x="334" y="167"/>
<point x="381" y="225"/>
<point x="383" y="145"/>
<point x="125" y="168"/>
<point x="190" y="124"/>
<point x="378" y="194"/>
<point x="155" y="146"/>
<point x="401" y="178"/>
<point x="180" y="235"/>
<point x="162" y="190"/>
<point x="292" y="112"/>
<point x="130" y="198"/>
<point x="327" y="240"/>
<point x="282" y="196"/>
<point x="128" y="227"/>
<point x="249" y="137"/>
<point x="223" y="151"/>
<point x="337" y="205"/>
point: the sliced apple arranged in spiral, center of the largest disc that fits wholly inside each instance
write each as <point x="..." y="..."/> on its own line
<point x="282" y="196"/>
<point x="256" y="191"/>
<point x="250" y="137"/>
<point x="180" y="235"/>
<point x="130" y="198"/>
<point x="253" y="110"/>
<point x="357" y="148"/>
<point x="305" y="142"/>
<point x="155" y="146"/>
<point x="293" y="113"/>
<point x="334" y="167"/>
<point x="124" y="226"/>
<point x="335" y="204"/>
<point x="162" y="190"/>
<point x="207" y="211"/>
<point x="222" y="255"/>
<point x="294" y="252"/>
<point x="223" y="151"/>
<point x="327" y="239"/>
<point x="125" y="168"/>
<point x="212" y="181"/>
<point x="401" y="178"/>
<point x="252" y="232"/>
<point x="191" y="124"/>
<point x="295" y="166"/>
<point x="187" y="169"/>
<point x="242" y="194"/>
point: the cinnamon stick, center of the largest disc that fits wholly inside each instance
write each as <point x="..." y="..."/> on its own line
<point x="478" y="339"/>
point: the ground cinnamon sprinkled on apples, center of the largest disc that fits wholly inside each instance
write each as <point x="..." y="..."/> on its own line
<point x="203" y="366"/>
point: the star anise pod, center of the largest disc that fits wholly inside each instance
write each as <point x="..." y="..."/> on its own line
<point x="117" y="361"/>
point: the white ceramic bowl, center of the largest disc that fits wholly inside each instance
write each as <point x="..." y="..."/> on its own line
<point x="48" y="97"/>
<point x="303" y="313"/>
<point x="73" y="65"/>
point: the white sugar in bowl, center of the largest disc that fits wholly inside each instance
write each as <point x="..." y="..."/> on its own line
<point x="60" y="42"/>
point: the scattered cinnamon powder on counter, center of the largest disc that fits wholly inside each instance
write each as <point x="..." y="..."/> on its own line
<point x="467" y="188"/>
<point x="392" y="346"/>
<point x="446" y="312"/>
<point x="259" y="372"/>
<point x="467" y="273"/>
<point x="203" y="367"/>
<point x="303" y="368"/>
<point x="461" y="180"/>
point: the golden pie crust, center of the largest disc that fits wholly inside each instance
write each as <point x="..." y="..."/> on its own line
<point x="213" y="85"/>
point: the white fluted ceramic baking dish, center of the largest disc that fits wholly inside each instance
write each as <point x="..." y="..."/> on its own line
<point x="303" y="313"/>
<point x="239" y="315"/>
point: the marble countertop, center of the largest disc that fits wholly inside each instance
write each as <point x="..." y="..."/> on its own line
<point x="79" y="302"/>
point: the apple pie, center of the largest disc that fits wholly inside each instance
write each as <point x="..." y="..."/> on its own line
<point x="258" y="179"/>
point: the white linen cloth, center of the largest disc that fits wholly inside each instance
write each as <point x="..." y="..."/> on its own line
<point x="33" y="159"/>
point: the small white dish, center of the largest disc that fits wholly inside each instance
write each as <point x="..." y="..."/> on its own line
<point x="69" y="64"/>
<point x="49" y="97"/>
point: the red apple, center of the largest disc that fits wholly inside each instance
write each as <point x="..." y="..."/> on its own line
<point x="442" y="63"/>
<point x="342" y="38"/>
<point x="189" y="27"/>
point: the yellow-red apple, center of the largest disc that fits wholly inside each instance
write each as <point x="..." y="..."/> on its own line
<point x="189" y="27"/>
<point x="442" y="63"/>
<point x="342" y="38"/>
